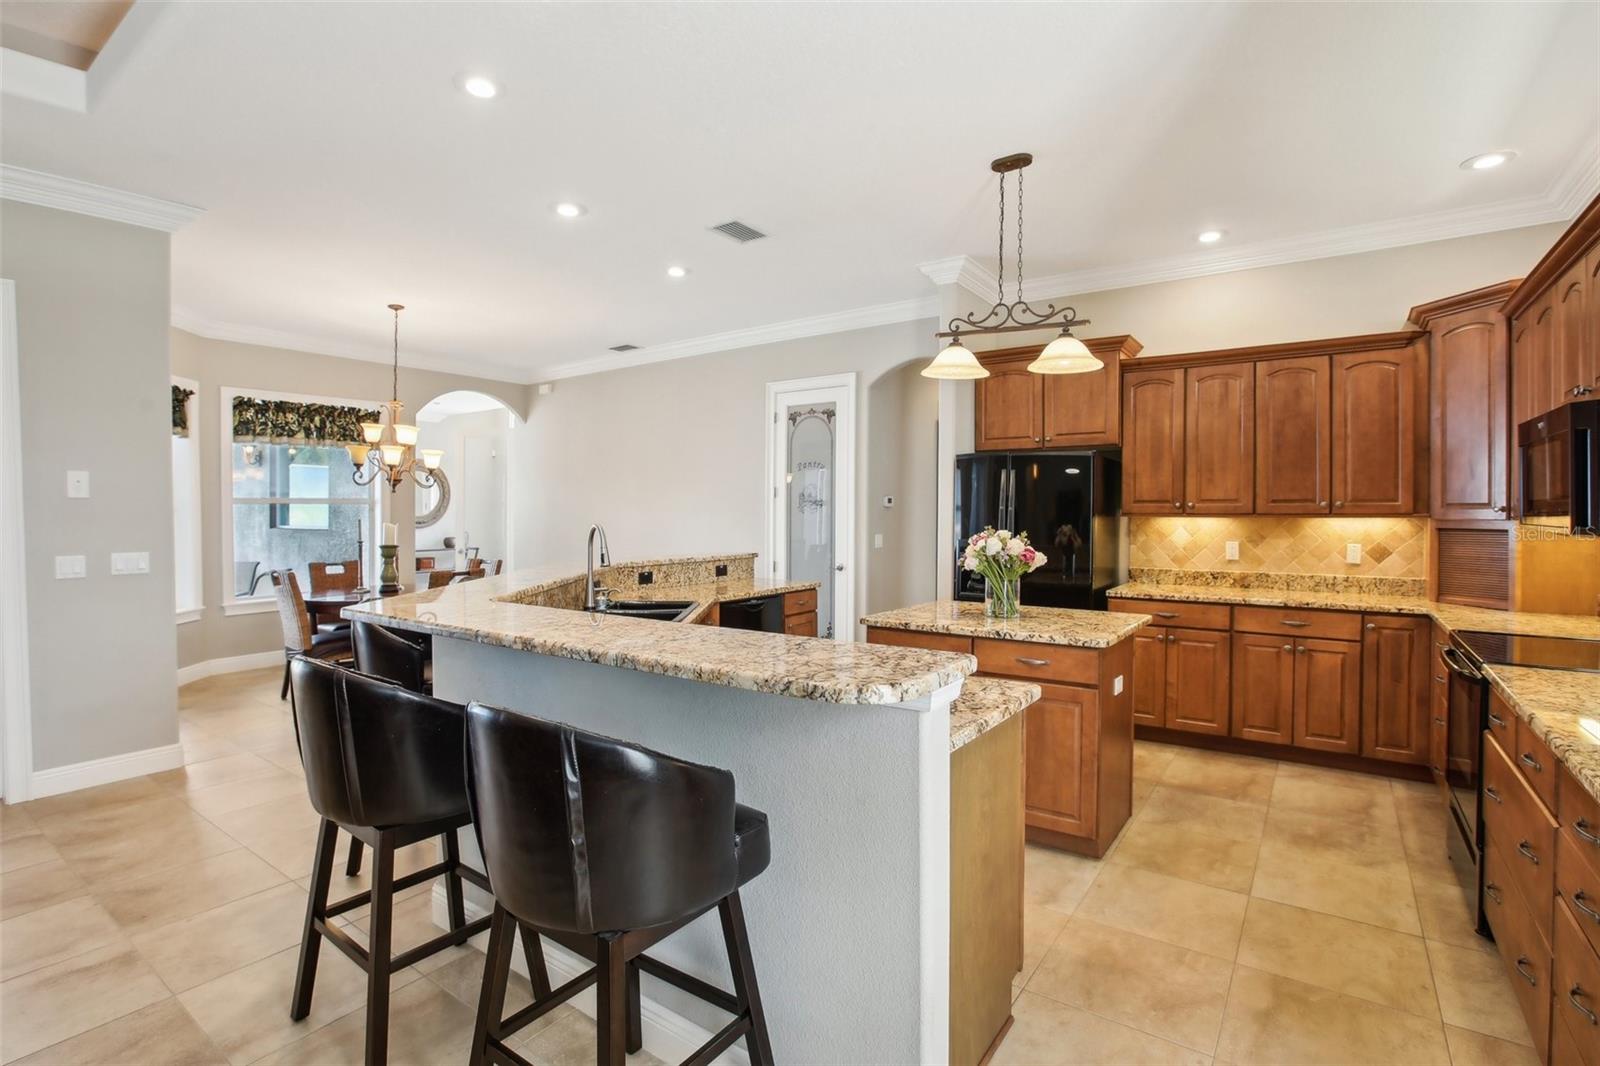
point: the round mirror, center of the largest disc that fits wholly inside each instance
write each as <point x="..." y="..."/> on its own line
<point x="433" y="502"/>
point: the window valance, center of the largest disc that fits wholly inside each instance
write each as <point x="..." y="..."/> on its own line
<point x="180" y="410"/>
<point x="288" y="422"/>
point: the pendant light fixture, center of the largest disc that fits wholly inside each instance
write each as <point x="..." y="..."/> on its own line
<point x="389" y="447"/>
<point x="1065" y="354"/>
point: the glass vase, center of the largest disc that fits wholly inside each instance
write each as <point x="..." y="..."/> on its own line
<point x="1002" y="599"/>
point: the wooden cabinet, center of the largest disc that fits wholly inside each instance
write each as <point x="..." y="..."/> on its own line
<point x="1571" y="356"/>
<point x="1395" y="664"/>
<point x="1532" y="365"/>
<point x="800" y="613"/>
<point x="1263" y="688"/>
<point x="1219" y="439"/>
<point x="1294" y="447"/>
<point x="1150" y="676"/>
<point x="1375" y="432"/>
<point x="1198" y="681"/>
<point x="1017" y="410"/>
<point x="1327" y="695"/>
<point x="1152" y="442"/>
<point x="1060" y="734"/>
<point x="1555" y="323"/>
<point x="1591" y="305"/>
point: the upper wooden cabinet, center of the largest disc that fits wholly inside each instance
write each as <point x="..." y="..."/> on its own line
<point x="1294" y="446"/>
<point x="1555" y="323"/>
<point x="1592" y="311"/>
<point x="1017" y="410"/>
<point x="1470" y="420"/>
<point x="1375" y="432"/>
<point x="1219" y="439"/>
<point x="1153" y="440"/>
<point x="1572" y="355"/>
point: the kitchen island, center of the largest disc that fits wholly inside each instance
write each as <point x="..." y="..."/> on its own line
<point x="851" y="749"/>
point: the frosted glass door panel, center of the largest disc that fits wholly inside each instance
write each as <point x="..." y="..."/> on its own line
<point x="810" y="504"/>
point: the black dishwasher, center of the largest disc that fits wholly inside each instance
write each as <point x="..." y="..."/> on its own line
<point x="761" y="613"/>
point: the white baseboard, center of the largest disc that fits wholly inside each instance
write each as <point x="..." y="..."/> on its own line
<point x="232" y="665"/>
<point x="668" y="1035"/>
<point x="61" y="779"/>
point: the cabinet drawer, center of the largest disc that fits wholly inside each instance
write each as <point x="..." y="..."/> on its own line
<point x="1579" y="814"/>
<point x="1328" y="625"/>
<point x="1043" y="662"/>
<point x="1522" y="950"/>
<point x="1177" y="613"/>
<point x="1502" y="722"/>
<point x="1536" y="762"/>
<point x="801" y="625"/>
<point x="910" y="638"/>
<point x="1516" y="822"/>
<point x="802" y="602"/>
<point x="1578" y="883"/>
<point x="1576" y="985"/>
<point x="1564" y="1049"/>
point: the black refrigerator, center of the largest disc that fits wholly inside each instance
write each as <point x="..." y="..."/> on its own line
<point x="1069" y="505"/>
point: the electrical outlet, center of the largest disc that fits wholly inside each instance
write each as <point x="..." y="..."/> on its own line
<point x="722" y="569"/>
<point x="71" y="566"/>
<point x="1352" y="553"/>
<point x="77" y="484"/>
<point x="647" y="577"/>
<point x="877" y="540"/>
<point x="1231" y="551"/>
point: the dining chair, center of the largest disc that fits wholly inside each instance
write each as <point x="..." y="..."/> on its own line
<point x="246" y="576"/>
<point x="425" y="562"/>
<point x="438" y="579"/>
<point x="495" y="569"/>
<point x="334" y="577"/>
<point x="299" y="638"/>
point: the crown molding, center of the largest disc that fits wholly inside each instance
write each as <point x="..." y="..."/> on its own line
<point x="816" y="325"/>
<point x="962" y="270"/>
<point x="299" y="342"/>
<point x="83" y="198"/>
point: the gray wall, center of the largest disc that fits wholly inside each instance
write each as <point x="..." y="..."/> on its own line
<point x="92" y="312"/>
<point x="227" y="364"/>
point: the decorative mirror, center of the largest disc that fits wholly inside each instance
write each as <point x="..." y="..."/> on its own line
<point x="433" y="502"/>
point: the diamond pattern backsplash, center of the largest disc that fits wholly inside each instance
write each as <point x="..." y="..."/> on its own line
<point x="1390" y="547"/>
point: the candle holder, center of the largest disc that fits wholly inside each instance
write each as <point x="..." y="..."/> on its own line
<point x="390" y="577"/>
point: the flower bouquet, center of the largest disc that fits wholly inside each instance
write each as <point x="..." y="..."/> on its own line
<point x="1002" y="557"/>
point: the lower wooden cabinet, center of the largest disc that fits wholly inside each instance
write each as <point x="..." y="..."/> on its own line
<point x="1059" y="738"/>
<point x="1150" y="676"/>
<point x="1198" y="670"/>
<point x="1263" y="688"/>
<point x="1396" y="668"/>
<point x="1327" y="695"/>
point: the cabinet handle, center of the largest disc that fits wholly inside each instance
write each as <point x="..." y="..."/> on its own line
<point x="1501" y="509"/>
<point x="1177" y="504"/>
<point x="1036" y="440"/>
<point x="1033" y="662"/>
<point x="1338" y="503"/>
<point x="1581" y="827"/>
<point x="1577" y="901"/>
<point x="1496" y="720"/>
<point x="1322" y="503"/>
<point x="1439" y="721"/>
<point x="1191" y="505"/>
<point x="1171" y="639"/>
<point x="1049" y="438"/>
<point x="1293" y="622"/>
<point x="1300" y="649"/>
<point x="1529" y="760"/>
<point x="1439" y="678"/>
<point x="1372" y="625"/>
<point x="1493" y="891"/>
<point x="1165" y="614"/>
<point x="1286" y="647"/>
<point x="1572" y="997"/>
<point x="1527" y="973"/>
<point x="1488" y="790"/>
<point x="1527" y="852"/>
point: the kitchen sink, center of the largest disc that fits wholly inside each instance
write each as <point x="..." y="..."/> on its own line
<point x="665" y="610"/>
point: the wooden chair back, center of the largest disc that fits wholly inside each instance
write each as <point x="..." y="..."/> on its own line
<point x="335" y="577"/>
<point x="438" y="579"/>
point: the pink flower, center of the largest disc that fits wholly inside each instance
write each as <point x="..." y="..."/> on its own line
<point x="1028" y="555"/>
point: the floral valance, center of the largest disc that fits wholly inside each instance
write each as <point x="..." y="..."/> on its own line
<point x="287" y="422"/>
<point x="180" y="410"/>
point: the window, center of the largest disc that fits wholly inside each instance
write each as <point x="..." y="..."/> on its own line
<point x="186" y="505"/>
<point x="289" y="505"/>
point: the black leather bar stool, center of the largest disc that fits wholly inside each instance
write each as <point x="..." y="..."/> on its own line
<point x="607" y="848"/>
<point x="386" y="766"/>
<point x="402" y="658"/>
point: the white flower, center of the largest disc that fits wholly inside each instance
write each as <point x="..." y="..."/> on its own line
<point x="992" y="546"/>
<point x="1014" y="546"/>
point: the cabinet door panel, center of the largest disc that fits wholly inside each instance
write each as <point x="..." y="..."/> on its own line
<point x="1152" y="442"/>
<point x="1198" y="689"/>
<point x="1591" y="334"/>
<point x="1010" y="410"/>
<point x="1470" y="424"/>
<point x="1327" y="695"/>
<point x="1570" y="357"/>
<point x="1374" y="432"/>
<point x="1394" y="684"/>
<point x="1263" y="688"/>
<point x="1293" y="449"/>
<point x="1219" y="439"/>
<point x="1060" y="738"/>
<point x="1150" y="676"/>
<point x="1083" y="409"/>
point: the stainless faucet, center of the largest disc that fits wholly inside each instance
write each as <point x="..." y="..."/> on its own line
<point x="605" y="560"/>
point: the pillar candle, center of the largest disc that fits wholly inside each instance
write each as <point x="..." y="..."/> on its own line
<point x="391" y="533"/>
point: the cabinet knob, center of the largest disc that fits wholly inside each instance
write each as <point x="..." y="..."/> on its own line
<point x="1049" y="438"/>
<point x="1501" y="509"/>
<point x="1286" y="647"/>
<point x="1338" y="503"/>
<point x="1036" y="440"/>
<point x="1191" y="505"/>
<point x="1300" y="649"/>
<point x="1171" y="639"/>
<point x="1177" y="504"/>
<point x="1372" y="625"/>
<point x="1322" y="503"/>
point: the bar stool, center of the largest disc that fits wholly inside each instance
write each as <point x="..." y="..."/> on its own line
<point x="607" y="848"/>
<point x="386" y="766"/>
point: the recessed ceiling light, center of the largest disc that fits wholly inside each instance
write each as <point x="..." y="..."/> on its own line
<point x="677" y="272"/>
<point x="479" y="86"/>
<point x="568" y="210"/>
<point x="1489" y="160"/>
<point x="1210" y="236"/>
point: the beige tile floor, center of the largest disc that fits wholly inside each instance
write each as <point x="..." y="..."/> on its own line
<point x="1251" y="912"/>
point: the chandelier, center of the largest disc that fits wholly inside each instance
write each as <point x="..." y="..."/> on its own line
<point x="1065" y="354"/>
<point x="390" y="448"/>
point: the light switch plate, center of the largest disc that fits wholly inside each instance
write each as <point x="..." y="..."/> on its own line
<point x="130" y="563"/>
<point x="77" y="484"/>
<point x="1231" y="550"/>
<point x="71" y="566"/>
<point x="1352" y="553"/>
<point x="877" y="540"/>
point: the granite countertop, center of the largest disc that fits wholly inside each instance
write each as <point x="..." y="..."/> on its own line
<point x="1563" y="709"/>
<point x="1040" y="625"/>
<point x="706" y="594"/>
<point x="494" y="610"/>
<point x="984" y="703"/>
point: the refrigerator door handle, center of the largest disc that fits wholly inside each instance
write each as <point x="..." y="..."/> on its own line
<point x="1005" y="482"/>
<point x="1011" y="506"/>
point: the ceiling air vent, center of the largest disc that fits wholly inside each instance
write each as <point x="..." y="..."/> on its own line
<point x="624" y="348"/>
<point x="739" y="231"/>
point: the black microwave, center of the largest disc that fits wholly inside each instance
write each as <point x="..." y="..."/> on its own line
<point x="1560" y="456"/>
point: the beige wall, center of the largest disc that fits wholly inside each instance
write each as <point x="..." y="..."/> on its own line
<point x="668" y="457"/>
<point x="225" y="364"/>
<point x="92" y="312"/>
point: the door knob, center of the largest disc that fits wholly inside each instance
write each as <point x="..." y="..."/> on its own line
<point x="839" y="567"/>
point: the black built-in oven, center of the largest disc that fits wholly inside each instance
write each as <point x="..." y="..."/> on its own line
<point x="1466" y="718"/>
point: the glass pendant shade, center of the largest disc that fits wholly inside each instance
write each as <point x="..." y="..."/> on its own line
<point x="431" y="458"/>
<point x="393" y="454"/>
<point x="955" y="363"/>
<point x="404" y="434"/>
<point x="358" y="454"/>
<point x="372" y="432"/>
<point x="1065" y="355"/>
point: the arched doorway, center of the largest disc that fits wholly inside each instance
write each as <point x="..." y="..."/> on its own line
<point x="467" y="515"/>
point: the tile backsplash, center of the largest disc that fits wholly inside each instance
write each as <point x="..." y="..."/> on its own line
<point x="1390" y="547"/>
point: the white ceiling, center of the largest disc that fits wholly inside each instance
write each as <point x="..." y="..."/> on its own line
<point x="340" y="168"/>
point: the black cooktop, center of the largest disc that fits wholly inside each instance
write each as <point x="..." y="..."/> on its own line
<point x="1552" y="653"/>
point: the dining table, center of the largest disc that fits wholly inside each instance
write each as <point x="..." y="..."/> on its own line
<point x="331" y="603"/>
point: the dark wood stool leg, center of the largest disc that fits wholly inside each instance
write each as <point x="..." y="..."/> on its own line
<point x="492" y="996"/>
<point x="611" y="1002"/>
<point x="284" y="693"/>
<point x="352" y="865"/>
<point x="380" y="930"/>
<point x="316" y="907"/>
<point x="635" y="1019"/>
<point x="452" y="881"/>
<point x="533" y="951"/>
<point x="745" y="991"/>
